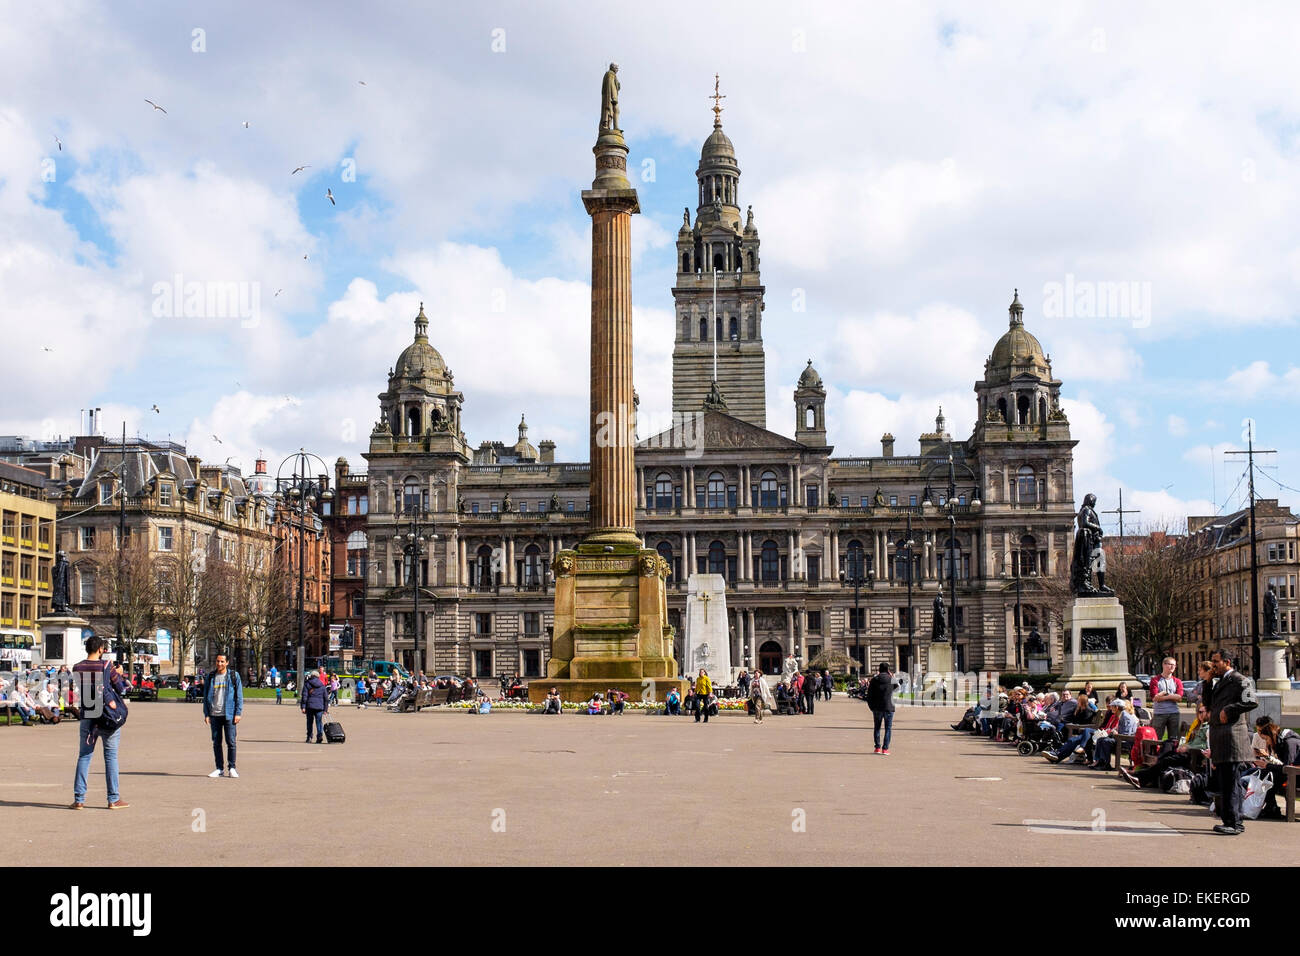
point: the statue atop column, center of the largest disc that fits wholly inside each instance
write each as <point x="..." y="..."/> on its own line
<point x="609" y="99"/>
<point x="1089" y="557"/>
<point x="1270" y="613"/>
<point x="939" y="627"/>
<point x="61" y="597"/>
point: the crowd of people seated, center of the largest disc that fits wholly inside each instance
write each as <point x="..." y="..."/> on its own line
<point x="1076" y="730"/>
<point x="43" y="696"/>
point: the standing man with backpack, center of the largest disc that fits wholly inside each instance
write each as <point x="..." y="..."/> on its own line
<point x="103" y="712"/>
<point x="880" y="698"/>
<point x="223" y="705"/>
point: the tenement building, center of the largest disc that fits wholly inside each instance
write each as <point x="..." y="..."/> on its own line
<point x="817" y="550"/>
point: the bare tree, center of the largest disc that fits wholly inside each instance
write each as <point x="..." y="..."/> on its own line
<point x="222" y="609"/>
<point x="1154" y="582"/>
<point x="179" y="587"/>
<point x="130" y="589"/>
<point x="264" y="591"/>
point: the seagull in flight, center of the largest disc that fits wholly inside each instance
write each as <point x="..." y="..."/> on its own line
<point x="60" y="142"/>
<point x="300" y="169"/>
<point x="330" y="196"/>
<point x="277" y="292"/>
<point x="156" y="409"/>
<point x="362" y="82"/>
<point x="304" y="255"/>
<point x="245" y="124"/>
<point x="217" y="440"/>
<point x="155" y="106"/>
<point x="46" y="348"/>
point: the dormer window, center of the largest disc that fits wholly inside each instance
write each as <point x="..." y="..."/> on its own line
<point x="165" y="494"/>
<point x="105" y="492"/>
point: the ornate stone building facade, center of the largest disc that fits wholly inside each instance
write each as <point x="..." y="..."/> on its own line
<point x="813" y="547"/>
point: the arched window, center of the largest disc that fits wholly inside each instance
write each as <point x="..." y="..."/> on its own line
<point x="767" y="490"/>
<point x="413" y="496"/>
<point x="704" y="329"/>
<point x="666" y="552"/>
<point x="717" y="558"/>
<point x="771" y="561"/>
<point x="532" y="566"/>
<point x="751" y="261"/>
<point x="901" y="570"/>
<point x="1022" y="408"/>
<point x="953" y="558"/>
<point x="717" y="262"/>
<point x="733" y="332"/>
<point x="855" y="562"/>
<point x="357" y="550"/>
<point x="717" y="492"/>
<point x="686" y="262"/>
<point x="413" y="421"/>
<point x="1002" y="410"/>
<point x="717" y="327"/>
<point x="1042" y="410"/>
<point x="1025" y="561"/>
<point x="481" y="576"/>
<point x="810" y="417"/>
<point x="1026" y="485"/>
<point x="663" y="491"/>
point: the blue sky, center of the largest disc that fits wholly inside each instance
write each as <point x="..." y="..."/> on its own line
<point x="908" y="167"/>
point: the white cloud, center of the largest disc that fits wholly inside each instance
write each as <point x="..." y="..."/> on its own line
<point x="1258" y="378"/>
<point x="1177" y="425"/>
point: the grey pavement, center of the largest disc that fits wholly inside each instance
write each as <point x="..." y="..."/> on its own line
<point x="448" y="787"/>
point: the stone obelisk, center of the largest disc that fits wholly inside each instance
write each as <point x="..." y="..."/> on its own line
<point x="611" y="607"/>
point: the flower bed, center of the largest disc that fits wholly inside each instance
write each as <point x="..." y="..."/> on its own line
<point x="729" y="704"/>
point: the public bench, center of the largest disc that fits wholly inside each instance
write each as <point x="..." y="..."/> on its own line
<point x="1291" y="772"/>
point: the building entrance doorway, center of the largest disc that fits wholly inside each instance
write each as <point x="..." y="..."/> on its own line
<point x="769" y="657"/>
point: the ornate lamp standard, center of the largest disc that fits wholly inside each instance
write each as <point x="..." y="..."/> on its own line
<point x="856" y="579"/>
<point x="298" y="492"/>
<point x="412" y="541"/>
<point x="954" y="551"/>
<point x="1019" y="561"/>
<point x="913" y="665"/>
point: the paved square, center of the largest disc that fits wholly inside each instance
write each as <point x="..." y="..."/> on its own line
<point x="429" y="787"/>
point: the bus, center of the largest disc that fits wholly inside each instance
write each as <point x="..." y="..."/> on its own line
<point x="145" y="660"/>
<point x="16" y="648"/>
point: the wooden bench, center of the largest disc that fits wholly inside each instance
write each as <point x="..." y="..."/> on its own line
<point x="10" y="708"/>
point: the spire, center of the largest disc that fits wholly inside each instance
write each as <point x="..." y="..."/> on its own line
<point x="717" y="103"/>
<point x="940" y="423"/>
<point x="1017" y="310"/>
<point x="421" y="326"/>
<point x="523" y="428"/>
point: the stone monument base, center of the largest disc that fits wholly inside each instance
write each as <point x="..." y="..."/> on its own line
<point x="611" y="625"/>
<point x="940" y="659"/>
<point x="1098" y="649"/>
<point x="64" y="635"/>
<point x="1272" y="666"/>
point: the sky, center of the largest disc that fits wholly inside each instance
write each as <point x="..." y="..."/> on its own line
<point x="1133" y="174"/>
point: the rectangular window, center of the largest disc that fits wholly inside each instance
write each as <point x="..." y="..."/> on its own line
<point x="541" y="507"/>
<point x="483" y="624"/>
<point x="893" y="501"/>
<point x="785" y="495"/>
<point x="482" y="663"/>
<point x="902" y="617"/>
<point x="473" y="508"/>
<point x="87" y="587"/>
<point x="813" y="493"/>
<point x="862" y="502"/>
<point x="844" y="501"/>
<point x="699" y="497"/>
<point x="165" y="539"/>
<point x="87" y="539"/>
<point x="814" y="567"/>
<point x="358" y="605"/>
<point x="363" y="505"/>
<point x="814" y="622"/>
<point x="105" y="492"/>
<point x="523" y="507"/>
<point x="165" y="494"/>
<point x="912" y="500"/>
<point x="731" y="496"/>
<point x="495" y="507"/>
<point x="857" y="618"/>
<point x="532" y="622"/>
<point x="568" y="506"/>
<point x="532" y="663"/>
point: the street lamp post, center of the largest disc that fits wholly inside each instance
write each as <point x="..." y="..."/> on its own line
<point x="298" y="492"/>
<point x="419" y="531"/>
<point x="1018" y="611"/>
<point x="855" y="578"/>
<point x="913" y="665"/>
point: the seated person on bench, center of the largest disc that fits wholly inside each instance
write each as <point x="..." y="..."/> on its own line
<point x="1171" y="757"/>
<point x="1127" y="725"/>
<point x="1275" y="748"/>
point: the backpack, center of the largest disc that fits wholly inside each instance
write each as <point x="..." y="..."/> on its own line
<point x="111" y="718"/>
<point x="1141" y="734"/>
<point x="1176" y="780"/>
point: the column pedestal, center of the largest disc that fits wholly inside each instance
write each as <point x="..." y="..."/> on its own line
<point x="1272" y="666"/>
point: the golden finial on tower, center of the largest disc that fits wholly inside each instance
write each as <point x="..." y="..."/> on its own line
<point x="717" y="105"/>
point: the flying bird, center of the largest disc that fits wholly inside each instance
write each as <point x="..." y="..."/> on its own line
<point x="217" y="440"/>
<point x="300" y="169"/>
<point x="330" y="196"/>
<point x="304" y="255"/>
<point x="277" y="292"/>
<point x="245" y="124"/>
<point x="155" y="106"/>
<point x="60" y="142"/>
<point x="156" y="409"/>
<point x="46" y="348"/>
<point x="362" y="82"/>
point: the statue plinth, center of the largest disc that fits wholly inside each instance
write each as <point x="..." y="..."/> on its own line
<point x="1098" y="649"/>
<point x="63" y="638"/>
<point x="611" y="625"/>
<point x="611" y="161"/>
<point x="1272" y="665"/>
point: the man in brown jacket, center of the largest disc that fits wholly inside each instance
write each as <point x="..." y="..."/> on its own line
<point x="1230" y="751"/>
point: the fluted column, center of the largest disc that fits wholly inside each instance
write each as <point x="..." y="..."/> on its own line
<point x="611" y="203"/>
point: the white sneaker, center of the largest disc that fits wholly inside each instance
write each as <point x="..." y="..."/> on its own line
<point x="215" y="773"/>
<point x="232" y="772"/>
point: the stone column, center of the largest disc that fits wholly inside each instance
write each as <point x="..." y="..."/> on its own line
<point x="462" y="558"/>
<point x="610" y="202"/>
<point x="803" y="635"/>
<point x="752" y="631"/>
<point x="789" y="631"/>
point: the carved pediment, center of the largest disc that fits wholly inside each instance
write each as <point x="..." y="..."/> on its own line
<point x="721" y="432"/>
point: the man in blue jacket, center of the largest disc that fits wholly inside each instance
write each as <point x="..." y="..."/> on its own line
<point x="315" y="703"/>
<point x="223" y="705"/>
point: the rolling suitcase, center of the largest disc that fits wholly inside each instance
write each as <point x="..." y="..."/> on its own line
<point x="334" y="733"/>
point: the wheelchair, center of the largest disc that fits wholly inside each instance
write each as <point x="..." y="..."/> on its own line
<point x="1034" y="738"/>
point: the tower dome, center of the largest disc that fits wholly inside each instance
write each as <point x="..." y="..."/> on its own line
<point x="810" y="378"/>
<point x="1018" y="351"/>
<point x="420" y="361"/>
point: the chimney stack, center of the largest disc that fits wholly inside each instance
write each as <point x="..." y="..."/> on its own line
<point x="887" y="445"/>
<point x="546" y="449"/>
